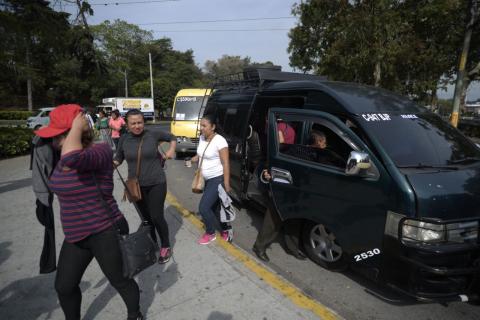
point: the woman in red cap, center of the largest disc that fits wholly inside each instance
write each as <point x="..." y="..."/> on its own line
<point x="83" y="175"/>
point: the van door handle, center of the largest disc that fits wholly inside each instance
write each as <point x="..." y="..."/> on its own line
<point x="281" y="176"/>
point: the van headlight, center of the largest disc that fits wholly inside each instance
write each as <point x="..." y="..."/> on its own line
<point x="448" y="233"/>
<point x="415" y="231"/>
<point x="420" y="231"/>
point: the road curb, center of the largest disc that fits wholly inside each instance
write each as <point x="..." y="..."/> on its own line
<point x="273" y="280"/>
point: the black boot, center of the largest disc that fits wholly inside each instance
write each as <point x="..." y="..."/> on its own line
<point x="261" y="254"/>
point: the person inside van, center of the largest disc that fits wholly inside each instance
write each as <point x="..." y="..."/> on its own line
<point x="318" y="139"/>
<point x="286" y="134"/>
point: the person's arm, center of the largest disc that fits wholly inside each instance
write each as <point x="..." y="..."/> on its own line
<point x="73" y="141"/>
<point x="119" y="154"/>
<point x="226" y="168"/>
<point x="74" y="156"/>
<point x="168" y="137"/>
<point x="195" y="158"/>
<point x="281" y="138"/>
<point x="170" y="154"/>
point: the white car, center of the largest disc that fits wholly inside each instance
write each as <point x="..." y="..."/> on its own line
<point x="41" y="119"/>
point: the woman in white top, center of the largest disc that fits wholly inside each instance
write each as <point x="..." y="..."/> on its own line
<point x="215" y="170"/>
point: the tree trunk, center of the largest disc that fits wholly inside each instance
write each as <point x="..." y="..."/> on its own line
<point x="459" y="85"/>
<point x="29" y="81"/>
<point x="377" y="74"/>
<point x="463" y="95"/>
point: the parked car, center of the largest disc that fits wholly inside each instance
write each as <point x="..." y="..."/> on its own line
<point x="395" y="194"/>
<point x="41" y="119"/>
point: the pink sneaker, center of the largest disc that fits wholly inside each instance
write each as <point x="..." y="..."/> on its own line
<point x="165" y="254"/>
<point x="207" y="238"/>
<point x="227" y="235"/>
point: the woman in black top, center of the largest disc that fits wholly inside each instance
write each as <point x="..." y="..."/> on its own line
<point x="152" y="180"/>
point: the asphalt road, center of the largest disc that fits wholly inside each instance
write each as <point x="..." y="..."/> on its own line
<point x="344" y="292"/>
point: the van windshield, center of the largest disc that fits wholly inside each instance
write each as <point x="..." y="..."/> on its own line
<point x="187" y="108"/>
<point x="420" y="140"/>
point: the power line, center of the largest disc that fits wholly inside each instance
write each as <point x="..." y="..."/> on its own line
<point x="123" y="3"/>
<point x="218" y="20"/>
<point x="224" y="30"/>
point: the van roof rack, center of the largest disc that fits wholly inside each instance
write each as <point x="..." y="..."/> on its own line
<point x="260" y="76"/>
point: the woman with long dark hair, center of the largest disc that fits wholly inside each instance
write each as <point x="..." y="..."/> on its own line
<point x="151" y="177"/>
<point x="215" y="167"/>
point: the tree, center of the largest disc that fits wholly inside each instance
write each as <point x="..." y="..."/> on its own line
<point x="227" y="65"/>
<point x="31" y="34"/>
<point x="407" y="46"/>
<point x="463" y="78"/>
<point x="126" y="47"/>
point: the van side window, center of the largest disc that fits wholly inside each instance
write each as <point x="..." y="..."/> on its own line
<point x="320" y="145"/>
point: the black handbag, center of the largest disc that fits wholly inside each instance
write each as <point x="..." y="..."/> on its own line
<point x="138" y="249"/>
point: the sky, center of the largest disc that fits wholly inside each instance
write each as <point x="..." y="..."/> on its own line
<point x="263" y="39"/>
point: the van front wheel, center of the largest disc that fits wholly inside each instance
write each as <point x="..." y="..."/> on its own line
<point x="322" y="248"/>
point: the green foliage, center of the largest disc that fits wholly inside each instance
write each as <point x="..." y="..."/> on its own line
<point x="32" y="36"/>
<point x="411" y="47"/>
<point x="15" y="141"/>
<point x="15" y="115"/>
<point x="229" y="65"/>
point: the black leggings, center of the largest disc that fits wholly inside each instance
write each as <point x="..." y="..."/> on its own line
<point x="75" y="258"/>
<point x="151" y="206"/>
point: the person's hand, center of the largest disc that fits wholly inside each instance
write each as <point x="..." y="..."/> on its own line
<point x="228" y="189"/>
<point x="170" y="154"/>
<point x="80" y="123"/>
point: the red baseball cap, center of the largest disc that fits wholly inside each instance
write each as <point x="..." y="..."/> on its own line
<point x="61" y="119"/>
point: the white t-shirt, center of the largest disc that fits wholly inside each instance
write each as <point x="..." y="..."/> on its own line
<point x="211" y="165"/>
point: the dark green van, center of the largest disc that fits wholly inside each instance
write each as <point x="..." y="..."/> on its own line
<point x="395" y="195"/>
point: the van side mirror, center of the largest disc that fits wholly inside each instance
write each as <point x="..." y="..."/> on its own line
<point x="357" y="161"/>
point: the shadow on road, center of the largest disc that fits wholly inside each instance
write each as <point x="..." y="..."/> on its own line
<point x="5" y="253"/>
<point x="30" y="298"/>
<point x="15" y="184"/>
<point x="152" y="281"/>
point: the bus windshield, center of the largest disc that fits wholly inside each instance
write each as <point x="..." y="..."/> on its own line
<point x="422" y="139"/>
<point x="187" y="108"/>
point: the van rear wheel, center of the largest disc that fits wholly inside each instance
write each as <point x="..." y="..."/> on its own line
<point x="321" y="246"/>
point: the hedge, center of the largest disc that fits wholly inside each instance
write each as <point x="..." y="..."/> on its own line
<point x="15" y="115"/>
<point x="15" y="141"/>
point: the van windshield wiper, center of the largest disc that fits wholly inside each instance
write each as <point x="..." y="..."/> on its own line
<point x="425" y="166"/>
<point x="464" y="160"/>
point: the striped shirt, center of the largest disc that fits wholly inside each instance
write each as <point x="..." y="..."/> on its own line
<point x="82" y="212"/>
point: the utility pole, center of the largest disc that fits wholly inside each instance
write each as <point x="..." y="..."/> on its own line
<point x="151" y="83"/>
<point x="474" y="12"/>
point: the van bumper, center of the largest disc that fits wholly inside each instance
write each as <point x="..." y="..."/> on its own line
<point x="185" y="144"/>
<point x="432" y="273"/>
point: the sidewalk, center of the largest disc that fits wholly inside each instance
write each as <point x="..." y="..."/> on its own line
<point x="201" y="282"/>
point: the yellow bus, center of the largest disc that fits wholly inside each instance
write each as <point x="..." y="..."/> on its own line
<point x="187" y="109"/>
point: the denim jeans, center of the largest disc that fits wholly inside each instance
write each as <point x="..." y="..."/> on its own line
<point x="210" y="205"/>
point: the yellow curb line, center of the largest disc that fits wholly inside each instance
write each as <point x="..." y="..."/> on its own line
<point x="289" y="291"/>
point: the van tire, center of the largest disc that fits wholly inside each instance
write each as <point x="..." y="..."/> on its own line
<point x="320" y="245"/>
